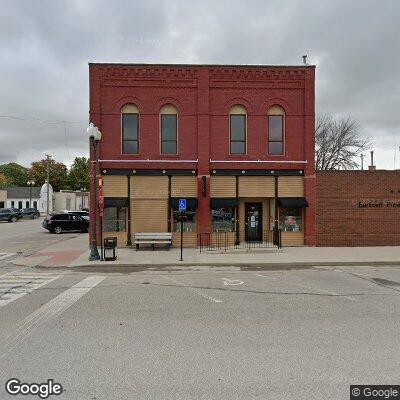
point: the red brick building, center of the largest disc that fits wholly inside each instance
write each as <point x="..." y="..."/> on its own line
<point x="237" y="141"/>
<point x="358" y="208"/>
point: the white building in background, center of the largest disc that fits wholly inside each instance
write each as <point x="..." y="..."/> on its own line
<point x="23" y="197"/>
<point x="19" y="197"/>
<point x="71" y="200"/>
<point x="3" y="198"/>
<point x="43" y="198"/>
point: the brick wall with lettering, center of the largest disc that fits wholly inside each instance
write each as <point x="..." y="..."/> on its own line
<point x="358" y="208"/>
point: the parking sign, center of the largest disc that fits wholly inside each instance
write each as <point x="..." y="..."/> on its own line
<point x="182" y="204"/>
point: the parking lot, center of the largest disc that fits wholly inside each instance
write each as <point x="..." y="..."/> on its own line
<point x="26" y="236"/>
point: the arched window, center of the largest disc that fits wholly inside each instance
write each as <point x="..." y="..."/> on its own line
<point x="169" y="129"/>
<point x="130" y="129"/>
<point x="276" y="129"/>
<point x="238" y="128"/>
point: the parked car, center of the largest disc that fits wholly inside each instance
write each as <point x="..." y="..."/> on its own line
<point x="83" y="214"/>
<point x="31" y="213"/>
<point x="62" y="222"/>
<point x="10" y="214"/>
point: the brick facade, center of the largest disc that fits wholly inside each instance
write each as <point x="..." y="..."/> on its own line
<point x="358" y="208"/>
<point x="203" y="96"/>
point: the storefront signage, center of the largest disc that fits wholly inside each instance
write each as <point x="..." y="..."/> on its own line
<point x="379" y="204"/>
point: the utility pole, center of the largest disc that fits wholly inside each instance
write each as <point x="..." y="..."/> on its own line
<point x="362" y="161"/>
<point x="48" y="157"/>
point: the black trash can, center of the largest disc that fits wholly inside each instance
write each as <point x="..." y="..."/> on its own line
<point x="109" y="248"/>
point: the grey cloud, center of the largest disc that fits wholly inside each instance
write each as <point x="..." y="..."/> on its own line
<point x="46" y="45"/>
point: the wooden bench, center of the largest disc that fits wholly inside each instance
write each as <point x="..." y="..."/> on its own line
<point x="153" y="238"/>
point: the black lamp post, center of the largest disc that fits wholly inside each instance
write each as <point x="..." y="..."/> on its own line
<point x="30" y="184"/>
<point x="94" y="137"/>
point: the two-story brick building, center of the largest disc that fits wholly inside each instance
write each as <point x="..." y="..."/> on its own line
<point x="237" y="141"/>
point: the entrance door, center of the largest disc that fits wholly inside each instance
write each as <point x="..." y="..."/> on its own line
<point x="253" y="219"/>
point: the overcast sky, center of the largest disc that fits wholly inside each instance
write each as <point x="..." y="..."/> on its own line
<point x="45" y="47"/>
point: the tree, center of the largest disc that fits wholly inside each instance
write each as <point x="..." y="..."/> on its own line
<point x="58" y="174"/>
<point x="15" y="174"/>
<point x="338" y="143"/>
<point x="3" y="181"/>
<point x="78" y="174"/>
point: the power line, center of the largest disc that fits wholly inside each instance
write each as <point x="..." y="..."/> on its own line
<point x="41" y="120"/>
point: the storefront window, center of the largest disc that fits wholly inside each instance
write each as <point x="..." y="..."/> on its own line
<point x="114" y="219"/>
<point x="223" y="219"/>
<point x="189" y="221"/>
<point x="291" y="219"/>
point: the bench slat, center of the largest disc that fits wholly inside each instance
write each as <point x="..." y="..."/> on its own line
<point x="151" y="236"/>
<point x="153" y="233"/>
<point x="152" y="241"/>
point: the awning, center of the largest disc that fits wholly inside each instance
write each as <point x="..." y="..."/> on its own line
<point x="224" y="202"/>
<point x="191" y="203"/>
<point x="116" y="202"/>
<point x="299" y="202"/>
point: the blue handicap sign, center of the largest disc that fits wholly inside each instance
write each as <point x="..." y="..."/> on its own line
<point x="182" y="204"/>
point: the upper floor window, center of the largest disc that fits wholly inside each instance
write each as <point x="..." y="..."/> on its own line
<point x="130" y="129"/>
<point x="169" y="130"/>
<point x="238" y="128"/>
<point x="276" y="124"/>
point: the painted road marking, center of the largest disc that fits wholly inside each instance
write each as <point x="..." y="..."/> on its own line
<point x="14" y="271"/>
<point x="322" y="291"/>
<point x="5" y="256"/>
<point x="47" y="312"/>
<point x="232" y="282"/>
<point x="194" y="290"/>
<point x="17" y="284"/>
<point x="268" y="277"/>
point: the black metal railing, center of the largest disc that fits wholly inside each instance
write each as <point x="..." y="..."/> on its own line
<point x="233" y="240"/>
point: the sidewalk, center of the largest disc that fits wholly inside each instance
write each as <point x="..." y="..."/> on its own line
<point x="74" y="253"/>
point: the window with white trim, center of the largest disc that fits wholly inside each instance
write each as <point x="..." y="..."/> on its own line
<point x="237" y="130"/>
<point x="130" y="129"/>
<point x="276" y="126"/>
<point x="169" y="130"/>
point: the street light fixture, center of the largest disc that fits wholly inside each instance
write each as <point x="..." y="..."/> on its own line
<point x="30" y="183"/>
<point x="94" y="138"/>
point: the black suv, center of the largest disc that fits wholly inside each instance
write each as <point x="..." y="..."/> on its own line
<point x="31" y="213"/>
<point x="61" y="222"/>
<point x="10" y="214"/>
<point x="84" y="214"/>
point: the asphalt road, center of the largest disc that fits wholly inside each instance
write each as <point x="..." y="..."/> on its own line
<point x="27" y="236"/>
<point x="202" y="333"/>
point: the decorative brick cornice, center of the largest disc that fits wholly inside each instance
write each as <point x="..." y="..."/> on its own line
<point x="148" y="72"/>
<point x="257" y="73"/>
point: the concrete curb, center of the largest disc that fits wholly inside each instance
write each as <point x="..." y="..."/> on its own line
<point x="241" y="265"/>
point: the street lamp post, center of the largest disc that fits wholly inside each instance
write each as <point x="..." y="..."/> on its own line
<point x="30" y="184"/>
<point x="94" y="137"/>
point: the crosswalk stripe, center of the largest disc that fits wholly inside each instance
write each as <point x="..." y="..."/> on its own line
<point x="17" y="284"/>
<point x="47" y="312"/>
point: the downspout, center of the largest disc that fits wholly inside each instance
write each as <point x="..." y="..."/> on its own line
<point x="276" y="233"/>
<point x="237" y="211"/>
<point x="169" y="203"/>
<point x="129" y="238"/>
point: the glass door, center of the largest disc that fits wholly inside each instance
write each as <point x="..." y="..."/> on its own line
<point x="253" y="222"/>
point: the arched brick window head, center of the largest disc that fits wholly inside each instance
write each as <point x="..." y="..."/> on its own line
<point x="276" y="130"/>
<point x="130" y="129"/>
<point x="237" y="130"/>
<point x="169" y="129"/>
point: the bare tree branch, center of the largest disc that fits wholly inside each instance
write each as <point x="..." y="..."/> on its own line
<point x="338" y="143"/>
